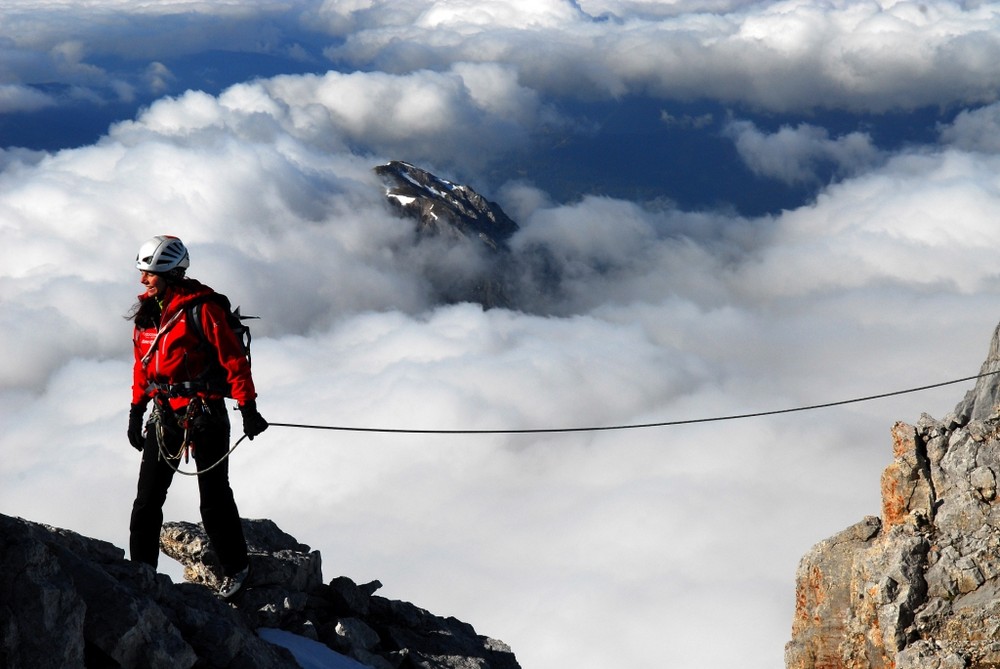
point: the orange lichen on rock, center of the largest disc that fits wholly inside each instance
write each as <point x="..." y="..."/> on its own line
<point x="895" y="505"/>
<point x="905" y="484"/>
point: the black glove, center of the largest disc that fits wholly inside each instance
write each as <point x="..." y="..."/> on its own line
<point x="253" y="422"/>
<point x="135" y="436"/>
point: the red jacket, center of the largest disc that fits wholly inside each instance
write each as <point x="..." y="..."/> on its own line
<point x="175" y="352"/>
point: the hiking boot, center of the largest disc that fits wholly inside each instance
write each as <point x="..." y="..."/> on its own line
<point x="233" y="584"/>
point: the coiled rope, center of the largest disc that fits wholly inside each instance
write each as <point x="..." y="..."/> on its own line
<point x="177" y="468"/>
<point x="598" y="428"/>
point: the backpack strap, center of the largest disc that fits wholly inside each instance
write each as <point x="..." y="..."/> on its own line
<point x="233" y="318"/>
<point x="194" y="313"/>
<point x="194" y="318"/>
<point x="159" y="333"/>
<point x="212" y="377"/>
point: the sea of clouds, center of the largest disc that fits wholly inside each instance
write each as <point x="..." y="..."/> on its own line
<point x="650" y="547"/>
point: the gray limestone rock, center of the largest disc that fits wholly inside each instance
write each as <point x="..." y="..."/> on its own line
<point x="981" y="402"/>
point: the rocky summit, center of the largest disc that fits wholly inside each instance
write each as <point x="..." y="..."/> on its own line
<point x="455" y="214"/>
<point x="444" y="207"/>
<point x="917" y="587"/>
<point x="70" y="601"/>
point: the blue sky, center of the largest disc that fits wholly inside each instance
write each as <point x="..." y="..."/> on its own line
<point x="741" y="206"/>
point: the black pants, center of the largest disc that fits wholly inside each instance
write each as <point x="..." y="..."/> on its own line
<point x="219" y="514"/>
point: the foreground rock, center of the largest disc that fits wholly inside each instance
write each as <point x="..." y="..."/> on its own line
<point x="919" y="586"/>
<point x="71" y="601"/>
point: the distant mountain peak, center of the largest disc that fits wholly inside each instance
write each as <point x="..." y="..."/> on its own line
<point x="444" y="207"/>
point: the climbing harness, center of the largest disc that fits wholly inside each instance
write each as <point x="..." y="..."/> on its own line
<point x="165" y="420"/>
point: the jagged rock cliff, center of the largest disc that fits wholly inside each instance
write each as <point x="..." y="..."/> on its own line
<point x="919" y="586"/>
<point x="69" y="601"/>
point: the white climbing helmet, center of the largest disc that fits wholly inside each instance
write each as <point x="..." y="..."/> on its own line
<point x="162" y="254"/>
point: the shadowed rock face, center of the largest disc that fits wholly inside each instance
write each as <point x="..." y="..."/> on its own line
<point x="918" y="587"/>
<point x="71" y="601"/>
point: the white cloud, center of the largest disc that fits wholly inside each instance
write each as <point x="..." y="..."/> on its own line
<point x="519" y="14"/>
<point x="460" y="15"/>
<point x="467" y="117"/>
<point x="777" y="55"/>
<point x="975" y="130"/>
<point x="159" y="78"/>
<point x="463" y="116"/>
<point x="653" y="9"/>
<point x="14" y="98"/>
<point x="784" y="56"/>
<point x="76" y="43"/>
<point x="687" y="121"/>
<point x="922" y="220"/>
<point x="797" y="155"/>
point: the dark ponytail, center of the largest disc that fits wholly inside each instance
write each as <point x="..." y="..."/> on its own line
<point x="145" y="313"/>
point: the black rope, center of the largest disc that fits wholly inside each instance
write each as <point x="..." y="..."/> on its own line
<point x="635" y="426"/>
